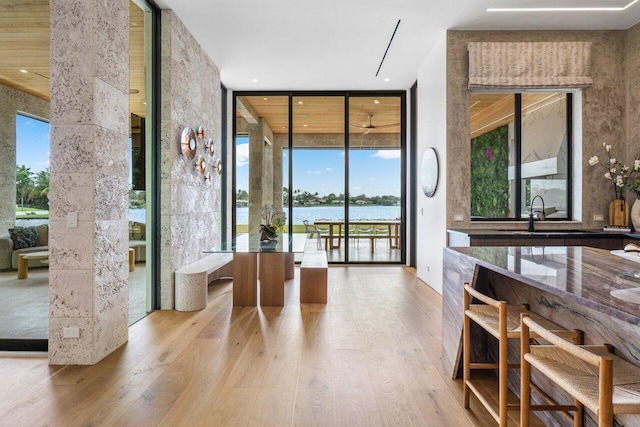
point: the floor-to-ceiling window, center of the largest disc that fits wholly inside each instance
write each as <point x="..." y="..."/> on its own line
<point x="331" y="162"/>
<point x="141" y="151"/>
<point x="375" y="188"/>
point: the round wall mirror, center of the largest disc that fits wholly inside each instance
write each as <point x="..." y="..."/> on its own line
<point x="429" y="172"/>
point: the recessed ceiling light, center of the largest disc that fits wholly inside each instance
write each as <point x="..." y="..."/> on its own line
<point x="305" y="125"/>
<point x="300" y="102"/>
<point x="386" y="79"/>
<point x="23" y="71"/>
<point x="376" y="101"/>
<point x="254" y="80"/>
<point x="562" y="9"/>
<point x="265" y="99"/>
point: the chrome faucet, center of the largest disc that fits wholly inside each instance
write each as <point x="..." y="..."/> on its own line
<point x="540" y="216"/>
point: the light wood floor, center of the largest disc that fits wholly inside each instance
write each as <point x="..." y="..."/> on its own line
<point x="369" y="357"/>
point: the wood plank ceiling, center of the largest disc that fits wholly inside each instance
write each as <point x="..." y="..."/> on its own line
<point x="325" y="114"/>
<point x="492" y="110"/>
<point x="24" y="45"/>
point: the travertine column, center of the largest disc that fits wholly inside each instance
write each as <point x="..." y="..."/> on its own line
<point x="89" y="134"/>
<point x="256" y="153"/>
<point x="190" y="96"/>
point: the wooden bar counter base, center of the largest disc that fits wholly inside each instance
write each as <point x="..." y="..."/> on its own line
<point x="578" y="287"/>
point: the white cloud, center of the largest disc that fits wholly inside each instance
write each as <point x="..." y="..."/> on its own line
<point x="387" y="154"/>
<point x="317" y="172"/>
<point x="309" y="172"/>
<point x="356" y="188"/>
<point x="242" y="155"/>
<point x="329" y="169"/>
<point x="372" y="178"/>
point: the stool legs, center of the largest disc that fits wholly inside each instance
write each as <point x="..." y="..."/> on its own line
<point x="466" y="351"/>
<point x="503" y="368"/>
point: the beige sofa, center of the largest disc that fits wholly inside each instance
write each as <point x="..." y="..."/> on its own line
<point x="9" y="256"/>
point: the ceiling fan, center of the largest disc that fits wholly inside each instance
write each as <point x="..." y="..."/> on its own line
<point x="368" y="128"/>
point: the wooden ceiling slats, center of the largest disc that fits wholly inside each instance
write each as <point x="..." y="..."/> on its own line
<point x="325" y="114"/>
<point x="24" y="44"/>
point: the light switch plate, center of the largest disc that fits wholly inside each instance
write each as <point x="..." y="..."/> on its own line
<point x="72" y="219"/>
<point x="458" y="217"/>
<point x="598" y="217"/>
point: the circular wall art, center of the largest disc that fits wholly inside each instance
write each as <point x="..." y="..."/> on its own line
<point x="201" y="164"/>
<point x="188" y="143"/>
<point x="210" y="146"/>
<point x="429" y="172"/>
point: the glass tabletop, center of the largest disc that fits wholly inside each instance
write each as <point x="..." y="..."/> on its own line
<point x="250" y="243"/>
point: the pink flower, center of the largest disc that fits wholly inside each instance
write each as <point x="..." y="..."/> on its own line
<point x="489" y="153"/>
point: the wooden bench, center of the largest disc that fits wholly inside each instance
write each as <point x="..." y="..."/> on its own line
<point x="313" y="277"/>
<point x="193" y="280"/>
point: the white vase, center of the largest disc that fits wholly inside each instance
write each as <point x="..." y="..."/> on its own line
<point x="635" y="215"/>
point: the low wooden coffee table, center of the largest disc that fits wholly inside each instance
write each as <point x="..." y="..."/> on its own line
<point x="23" y="262"/>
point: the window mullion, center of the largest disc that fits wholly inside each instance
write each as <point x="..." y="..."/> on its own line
<point x="518" y="154"/>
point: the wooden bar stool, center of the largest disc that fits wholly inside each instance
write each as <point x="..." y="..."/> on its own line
<point x="596" y="378"/>
<point x="503" y="322"/>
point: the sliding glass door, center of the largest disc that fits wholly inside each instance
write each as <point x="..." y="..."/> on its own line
<point x="330" y="163"/>
<point x="375" y="190"/>
<point x="318" y="172"/>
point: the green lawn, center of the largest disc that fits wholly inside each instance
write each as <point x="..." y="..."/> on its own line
<point x="297" y="228"/>
<point x="29" y="213"/>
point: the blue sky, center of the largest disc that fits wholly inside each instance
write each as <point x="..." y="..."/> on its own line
<point x="372" y="172"/>
<point x="32" y="138"/>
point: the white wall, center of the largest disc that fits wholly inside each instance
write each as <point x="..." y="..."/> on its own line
<point x="432" y="132"/>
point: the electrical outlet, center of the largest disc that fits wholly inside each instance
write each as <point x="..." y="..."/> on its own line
<point x="598" y="217"/>
<point x="458" y="217"/>
<point x="71" y="332"/>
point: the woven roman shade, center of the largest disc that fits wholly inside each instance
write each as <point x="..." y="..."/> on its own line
<point x="529" y="65"/>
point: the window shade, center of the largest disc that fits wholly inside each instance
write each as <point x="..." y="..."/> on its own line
<point x="529" y="65"/>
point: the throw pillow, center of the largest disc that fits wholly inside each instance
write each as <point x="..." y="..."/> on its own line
<point x="43" y="234"/>
<point x="26" y="237"/>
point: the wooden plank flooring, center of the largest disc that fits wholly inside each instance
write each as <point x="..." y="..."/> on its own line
<point x="370" y="357"/>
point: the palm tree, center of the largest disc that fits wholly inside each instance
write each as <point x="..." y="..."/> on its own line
<point x="24" y="183"/>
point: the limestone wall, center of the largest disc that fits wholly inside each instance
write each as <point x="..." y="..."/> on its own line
<point x="88" y="274"/>
<point x="603" y="115"/>
<point x="632" y="57"/>
<point x="12" y="102"/>
<point x="191" y="96"/>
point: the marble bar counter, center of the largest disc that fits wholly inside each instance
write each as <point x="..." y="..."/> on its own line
<point x="540" y="237"/>
<point x="589" y="289"/>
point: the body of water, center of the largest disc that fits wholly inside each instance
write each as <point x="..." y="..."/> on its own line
<point x="333" y="213"/>
<point x="310" y="213"/>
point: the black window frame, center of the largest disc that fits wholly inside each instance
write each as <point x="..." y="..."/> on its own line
<point x="518" y="155"/>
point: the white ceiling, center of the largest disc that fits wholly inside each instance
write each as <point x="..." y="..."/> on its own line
<point x="338" y="44"/>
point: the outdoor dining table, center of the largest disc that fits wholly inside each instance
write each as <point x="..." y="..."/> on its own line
<point x="393" y="230"/>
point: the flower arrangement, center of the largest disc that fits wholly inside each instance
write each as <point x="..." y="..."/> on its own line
<point x="619" y="174"/>
<point x="273" y="217"/>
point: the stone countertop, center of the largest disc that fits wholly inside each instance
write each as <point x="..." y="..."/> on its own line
<point x="591" y="277"/>
<point x="501" y="234"/>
